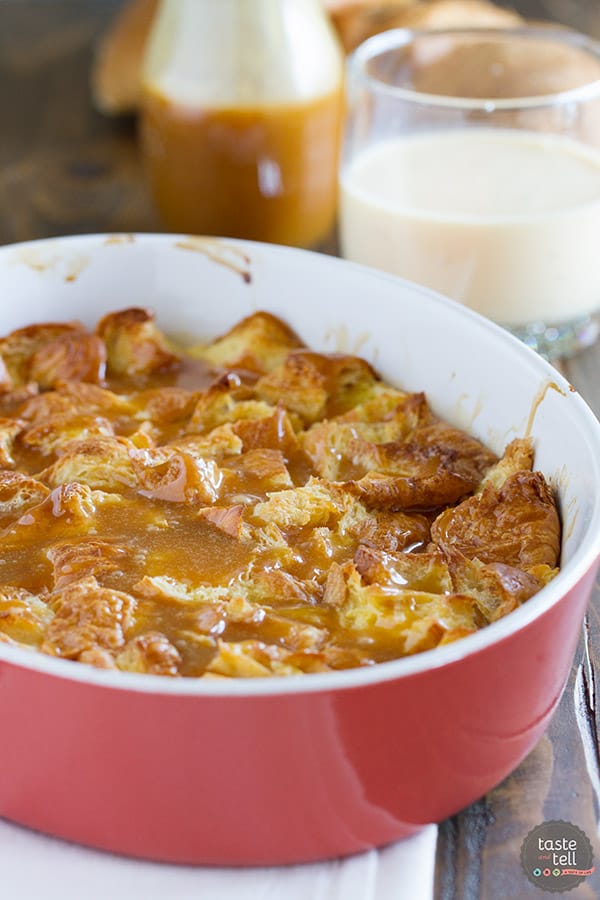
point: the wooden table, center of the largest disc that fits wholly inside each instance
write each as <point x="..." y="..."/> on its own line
<point x="65" y="169"/>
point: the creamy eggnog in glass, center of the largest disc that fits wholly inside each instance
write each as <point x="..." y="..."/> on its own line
<point x="472" y="166"/>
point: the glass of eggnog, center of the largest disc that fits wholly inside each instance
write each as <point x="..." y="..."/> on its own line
<point x="472" y="166"/>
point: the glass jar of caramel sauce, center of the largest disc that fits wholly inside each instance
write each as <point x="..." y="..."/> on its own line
<point x="241" y="118"/>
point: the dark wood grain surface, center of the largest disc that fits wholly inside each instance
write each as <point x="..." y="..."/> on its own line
<point x="66" y="169"/>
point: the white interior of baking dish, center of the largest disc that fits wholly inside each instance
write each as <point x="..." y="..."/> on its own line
<point x="474" y="374"/>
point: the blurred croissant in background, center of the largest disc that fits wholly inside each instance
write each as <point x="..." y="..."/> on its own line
<point x="117" y="69"/>
<point x="357" y="20"/>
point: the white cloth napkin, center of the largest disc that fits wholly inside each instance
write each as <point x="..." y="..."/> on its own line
<point x="33" y="866"/>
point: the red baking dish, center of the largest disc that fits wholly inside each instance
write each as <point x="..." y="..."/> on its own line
<point x="281" y="770"/>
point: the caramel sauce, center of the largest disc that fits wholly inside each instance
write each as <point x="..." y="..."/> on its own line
<point x="151" y="525"/>
<point x="538" y="400"/>
<point x="265" y="173"/>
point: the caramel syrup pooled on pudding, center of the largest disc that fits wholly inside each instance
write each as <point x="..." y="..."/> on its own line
<point x="247" y="508"/>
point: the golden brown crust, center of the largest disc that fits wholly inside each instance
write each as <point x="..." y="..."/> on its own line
<point x="275" y="522"/>
<point x="391" y="531"/>
<point x="258" y="343"/>
<point x="164" y="406"/>
<point x="496" y="588"/>
<point x="74" y="399"/>
<point x="177" y="477"/>
<point x="223" y="403"/>
<point x="273" y="432"/>
<point x="151" y="653"/>
<point x="518" y="457"/>
<point x="436" y="466"/>
<point x="314" y="385"/>
<point x="24" y="618"/>
<point x="74" y="561"/>
<point x="105" y="463"/>
<point x="70" y="357"/>
<point x="516" y="525"/>
<point x="228" y="519"/>
<point x="405" y="617"/>
<point x="134" y="345"/>
<point x="261" y="470"/>
<point x="54" y="433"/>
<point x="22" y="347"/>
<point x="427" y="572"/>
<point x="19" y="492"/>
<point x="87" y="616"/>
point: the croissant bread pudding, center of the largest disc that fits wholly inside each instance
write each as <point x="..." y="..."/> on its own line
<point x="248" y="508"/>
